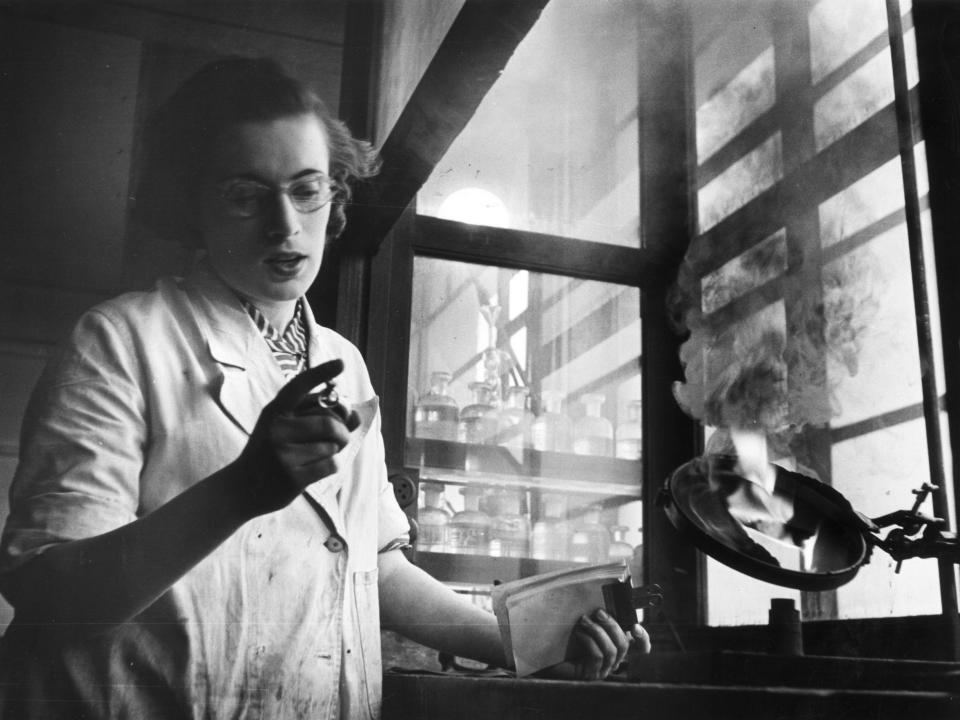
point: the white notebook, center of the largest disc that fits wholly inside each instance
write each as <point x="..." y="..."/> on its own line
<point x="537" y="614"/>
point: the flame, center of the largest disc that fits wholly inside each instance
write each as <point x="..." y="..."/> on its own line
<point x="747" y="483"/>
<point x="753" y="459"/>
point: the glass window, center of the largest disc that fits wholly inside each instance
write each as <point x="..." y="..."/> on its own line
<point x="812" y="326"/>
<point x="764" y="262"/>
<point x="525" y="395"/>
<point x="857" y="97"/>
<point x="749" y="176"/>
<point x="876" y="472"/>
<point x="553" y="147"/>
<point x="839" y="29"/>
<point x="728" y="111"/>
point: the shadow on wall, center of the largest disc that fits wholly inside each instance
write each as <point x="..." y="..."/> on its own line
<point x="20" y="367"/>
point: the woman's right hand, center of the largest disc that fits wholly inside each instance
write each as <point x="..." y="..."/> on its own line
<point x="293" y="446"/>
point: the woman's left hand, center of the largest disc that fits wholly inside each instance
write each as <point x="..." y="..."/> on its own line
<point x="598" y="645"/>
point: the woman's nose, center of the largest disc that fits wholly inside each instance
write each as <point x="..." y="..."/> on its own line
<point x="283" y="220"/>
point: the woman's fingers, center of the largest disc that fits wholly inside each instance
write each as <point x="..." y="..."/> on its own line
<point x="599" y="645"/>
<point x="602" y="643"/>
<point x="300" y="386"/>
<point x="641" y="639"/>
<point x="615" y="634"/>
<point x="306" y="446"/>
<point x="318" y="468"/>
<point x="295" y="429"/>
<point x="297" y="457"/>
<point x="589" y="657"/>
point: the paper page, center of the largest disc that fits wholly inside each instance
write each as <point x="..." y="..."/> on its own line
<point x="537" y="614"/>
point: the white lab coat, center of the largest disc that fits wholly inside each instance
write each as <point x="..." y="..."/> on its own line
<point x="153" y="392"/>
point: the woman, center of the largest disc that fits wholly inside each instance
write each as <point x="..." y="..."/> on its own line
<point x="185" y="540"/>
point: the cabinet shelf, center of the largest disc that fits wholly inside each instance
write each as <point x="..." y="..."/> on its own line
<point x="459" y="463"/>
<point x="483" y="569"/>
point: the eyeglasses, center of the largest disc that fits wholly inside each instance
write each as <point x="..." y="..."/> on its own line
<point x="249" y="198"/>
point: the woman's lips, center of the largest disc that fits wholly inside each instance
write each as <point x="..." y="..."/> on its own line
<point x="285" y="265"/>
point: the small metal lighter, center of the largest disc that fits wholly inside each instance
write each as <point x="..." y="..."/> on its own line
<point x="622" y="600"/>
<point x="327" y="401"/>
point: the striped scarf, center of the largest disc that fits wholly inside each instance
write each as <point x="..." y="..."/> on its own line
<point x="290" y="348"/>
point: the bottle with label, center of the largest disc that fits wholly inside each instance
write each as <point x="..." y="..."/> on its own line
<point x="433" y="519"/>
<point x="516" y="420"/>
<point x="630" y="433"/>
<point x="435" y="416"/>
<point x="590" y="542"/>
<point x="509" y="527"/>
<point x="550" y="539"/>
<point x="620" y="549"/>
<point x="468" y="531"/>
<point x="478" y="420"/>
<point x="551" y="429"/>
<point x="593" y="433"/>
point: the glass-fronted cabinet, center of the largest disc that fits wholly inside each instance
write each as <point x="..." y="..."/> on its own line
<point x="625" y="151"/>
<point x="517" y="327"/>
<point x="523" y="401"/>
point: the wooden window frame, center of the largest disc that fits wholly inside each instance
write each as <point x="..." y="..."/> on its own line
<point x="382" y="264"/>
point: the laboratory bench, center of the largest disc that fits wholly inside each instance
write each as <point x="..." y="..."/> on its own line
<point x="677" y="686"/>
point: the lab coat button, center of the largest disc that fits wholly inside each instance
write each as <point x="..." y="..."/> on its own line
<point x="334" y="544"/>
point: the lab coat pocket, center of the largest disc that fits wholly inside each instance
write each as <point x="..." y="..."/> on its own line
<point x="367" y="601"/>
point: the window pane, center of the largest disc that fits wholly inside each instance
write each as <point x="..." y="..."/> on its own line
<point x="736" y="105"/>
<point x="841" y="28"/>
<point x="573" y="348"/>
<point x="553" y="147"/>
<point x="856" y="98"/>
<point x="873" y="331"/>
<point x="736" y="599"/>
<point x="762" y="263"/>
<point x="876" y="473"/>
<point x="863" y="203"/>
<point x="741" y="182"/>
<point x="581" y="336"/>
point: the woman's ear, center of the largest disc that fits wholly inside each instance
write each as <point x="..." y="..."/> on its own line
<point x="336" y="223"/>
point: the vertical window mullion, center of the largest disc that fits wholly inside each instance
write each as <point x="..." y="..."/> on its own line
<point x="931" y="409"/>
<point x="804" y="260"/>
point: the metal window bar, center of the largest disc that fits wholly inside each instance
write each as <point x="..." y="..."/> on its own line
<point x="931" y="405"/>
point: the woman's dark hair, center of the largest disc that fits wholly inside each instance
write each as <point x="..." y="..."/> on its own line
<point x="180" y="135"/>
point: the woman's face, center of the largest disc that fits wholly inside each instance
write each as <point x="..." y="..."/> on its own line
<point x="258" y="242"/>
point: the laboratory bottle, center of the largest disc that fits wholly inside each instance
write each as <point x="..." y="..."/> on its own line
<point x="516" y="420"/>
<point x="432" y="519"/>
<point x="550" y="538"/>
<point x="630" y="433"/>
<point x="551" y="429"/>
<point x="468" y="531"/>
<point x="478" y="420"/>
<point x="435" y="416"/>
<point x="636" y="564"/>
<point x="590" y="542"/>
<point x="593" y="433"/>
<point x="620" y="549"/>
<point x="509" y="526"/>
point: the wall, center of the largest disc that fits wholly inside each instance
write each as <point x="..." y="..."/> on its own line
<point x="411" y="34"/>
<point x="76" y="82"/>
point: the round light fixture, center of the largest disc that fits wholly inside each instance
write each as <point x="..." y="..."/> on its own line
<point x="475" y="206"/>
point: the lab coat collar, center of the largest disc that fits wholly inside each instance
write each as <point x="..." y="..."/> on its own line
<point x="244" y="377"/>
